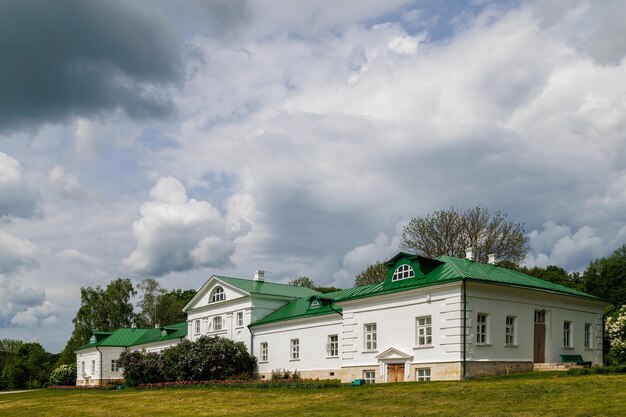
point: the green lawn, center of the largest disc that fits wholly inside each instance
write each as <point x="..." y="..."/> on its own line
<point x="536" y="394"/>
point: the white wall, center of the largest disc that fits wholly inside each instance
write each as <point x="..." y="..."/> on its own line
<point x="312" y="334"/>
<point x="92" y="375"/>
<point x="500" y="301"/>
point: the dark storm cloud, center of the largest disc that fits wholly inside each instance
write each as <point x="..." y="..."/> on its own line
<point x="71" y="58"/>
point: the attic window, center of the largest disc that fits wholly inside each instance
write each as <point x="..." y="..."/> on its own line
<point x="315" y="304"/>
<point x="403" y="272"/>
<point x="92" y="339"/>
<point x="218" y="294"/>
<point x="163" y="333"/>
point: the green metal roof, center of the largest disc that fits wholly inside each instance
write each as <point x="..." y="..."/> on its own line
<point x="441" y="270"/>
<point x="267" y="288"/>
<point x="126" y="337"/>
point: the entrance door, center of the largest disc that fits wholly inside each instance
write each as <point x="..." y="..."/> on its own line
<point x="395" y="373"/>
<point x="539" y="347"/>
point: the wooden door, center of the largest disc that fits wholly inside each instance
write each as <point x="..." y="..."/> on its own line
<point x="395" y="373"/>
<point x="539" y="345"/>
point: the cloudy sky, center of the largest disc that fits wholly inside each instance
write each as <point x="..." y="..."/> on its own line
<point x="177" y="140"/>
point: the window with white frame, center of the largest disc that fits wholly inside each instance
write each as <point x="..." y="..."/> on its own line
<point x="314" y="304"/>
<point x="332" y="347"/>
<point x="509" y="331"/>
<point x="295" y="349"/>
<point x="217" y="323"/>
<point x="196" y="328"/>
<point x="587" y="335"/>
<point x="93" y="367"/>
<point x="403" y="272"/>
<point x="240" y="319"/>
<point x="567" y="334"/>
<point x="218" y="294"/>
<point x="481" y="328"/>
<point x="370" y="336"/>
<point x="422" y="374"/>
<point x="424" y="331"/>
<point x="264" y="352"/>
<point x="82" y="367"/>
<point x="369" y="376"/>
<point x="115" y="366"/>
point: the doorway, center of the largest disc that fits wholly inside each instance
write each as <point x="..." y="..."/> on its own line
<point x="395" y="373"/>
<point x="539" y="343"/>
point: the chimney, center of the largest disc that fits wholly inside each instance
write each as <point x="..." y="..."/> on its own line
<point x="491" y="259"/>
<point x="469" y="253"/>
<point x="259" y="275"/>
<point x="157" y="325"/>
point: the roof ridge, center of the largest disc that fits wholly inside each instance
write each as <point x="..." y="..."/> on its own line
<point x="260" y="282"/>
<point x="452" y="265"/>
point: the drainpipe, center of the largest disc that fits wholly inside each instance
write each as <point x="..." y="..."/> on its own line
<point x="464" y="329"/>
<point x="100" y="352"/>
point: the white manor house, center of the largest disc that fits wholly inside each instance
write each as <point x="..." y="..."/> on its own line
<point x="431" y="319"/>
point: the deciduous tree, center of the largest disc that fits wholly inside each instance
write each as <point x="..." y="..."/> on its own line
<point x="373" y="274"/>
<point x="451" y="231"/>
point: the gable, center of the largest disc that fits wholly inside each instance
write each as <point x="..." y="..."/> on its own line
<point x="204" y="295"/>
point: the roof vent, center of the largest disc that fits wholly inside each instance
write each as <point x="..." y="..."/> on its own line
<point x="259" y="275"/>
<point x="469" y="253"/>
<point x="491" y="259"/>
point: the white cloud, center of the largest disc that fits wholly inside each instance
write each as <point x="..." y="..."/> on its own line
<point x="177" y="234"/>
<point x="65" y="184"/>
<point x="16" y="253"/>
<point x="17" y="200"/>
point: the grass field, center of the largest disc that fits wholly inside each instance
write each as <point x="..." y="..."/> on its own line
<point x="545" y="394"/>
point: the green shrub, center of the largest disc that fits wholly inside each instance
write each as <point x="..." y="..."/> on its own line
<point x="141" y="367"/>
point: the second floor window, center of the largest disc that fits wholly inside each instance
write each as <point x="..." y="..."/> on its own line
<point x="240" y="319"/>
<point x="370" y="336"/>
<point x="218" y="294"/>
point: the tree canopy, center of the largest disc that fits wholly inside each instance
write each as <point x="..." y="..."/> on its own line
<point x="372" y="274"/>
<point x="452" y="231"/>
<point x="606" y="277"/>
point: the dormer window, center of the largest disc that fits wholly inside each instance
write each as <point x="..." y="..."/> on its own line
<point x="92" y="339"/>
<point x="218" y="294"/>
<point x="403" y="272"/>
<point x="315" y="304"/>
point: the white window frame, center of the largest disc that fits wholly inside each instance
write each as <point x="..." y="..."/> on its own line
<point x="217" y="294"/>
<point x="93" y="367"/>
<point x="370" y="342"/>
<point x="264" y="352"/>
<point x="115" y="366"/>
<point x="404" y="271"/>
<point x="424" y="331"/>
<point x="82" y="368"/>
<point x="510" y="331"/>
<point x="567" y="335"/>
<point x="482" y="329"/>
<point x="332" y="347"/>
<point x="218" y="324"/>
<point x="196" y="327"/>
<point x="588" y="336"/>
<point x="295" y="349"/>
<point x="369" y="376"/>
<point x="314" y="304"/>
<point x="240" y="319"/>
<point x="422" y="374"/>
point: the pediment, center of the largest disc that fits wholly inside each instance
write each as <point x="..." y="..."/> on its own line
<point x="201" y="299"/>
<point x="393" y="353"/>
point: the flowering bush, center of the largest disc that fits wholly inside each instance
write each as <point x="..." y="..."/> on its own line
<point x="300" y="383"/>
<point x="615" y="329"/>
<point x="206" y="359"/>
<point x="63" y="375"/>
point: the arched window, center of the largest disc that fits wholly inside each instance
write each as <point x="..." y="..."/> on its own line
<point x="217" y="323"/>
<point x="315" y="304"/>
<point x="403" y="272"/>
<point x="218" y="294"/>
